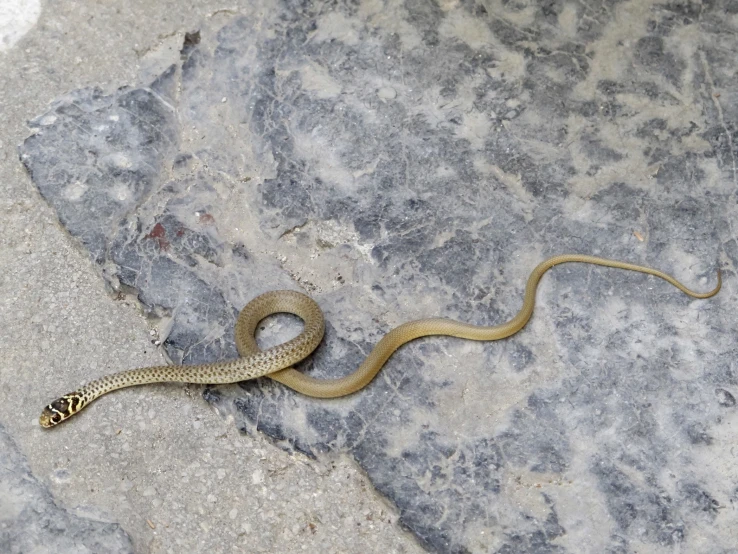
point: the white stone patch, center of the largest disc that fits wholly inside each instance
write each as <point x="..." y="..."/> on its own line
<point x="376" y="15"/>
<point x="120" y="192"/>
<point x="119" y="160"/>
<point x="47" y="120"/>
<point x="17" y="17"/>
<point x="257" y="477"/>
<point x="324" y="152"/>
<point x="448" y="5"/>
<point x="74" y="191"/>
<point x="336" y="26"/>
<point x="476" y="128"/>
<point x="469" y="29"/>
<point x="568" y="20"/>
<point x="387" y="93"/>
<point x="317" y="80"/>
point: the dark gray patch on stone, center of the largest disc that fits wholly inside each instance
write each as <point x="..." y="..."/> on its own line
<point x="700" y="500"/>
<point x="450" y="167"/>
<point x="652" y="53"/>
<point x="127" y="140"/>
<point x="725" y="398"/>
<point x="648" y="512"/>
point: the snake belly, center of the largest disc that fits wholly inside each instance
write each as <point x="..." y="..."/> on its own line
<point x="276" y="362"/>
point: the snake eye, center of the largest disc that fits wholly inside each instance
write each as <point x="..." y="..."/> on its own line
<point x="49" y="417"/>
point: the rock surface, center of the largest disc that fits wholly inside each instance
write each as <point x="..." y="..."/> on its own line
<point x="409" y="160"/>
<point x="31" y="521"/>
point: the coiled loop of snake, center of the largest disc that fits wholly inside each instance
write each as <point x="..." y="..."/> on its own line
<point x="275" y="362"/>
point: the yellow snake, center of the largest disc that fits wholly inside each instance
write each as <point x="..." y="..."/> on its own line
<point x="275" y="362"/>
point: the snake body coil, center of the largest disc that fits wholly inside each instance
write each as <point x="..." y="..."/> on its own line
<point x="275" y="362"/>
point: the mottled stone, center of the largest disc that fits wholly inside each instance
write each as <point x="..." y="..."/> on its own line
<point x="410" y="160"/>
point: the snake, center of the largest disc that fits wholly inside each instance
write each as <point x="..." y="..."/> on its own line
<point x="276" y="362"/>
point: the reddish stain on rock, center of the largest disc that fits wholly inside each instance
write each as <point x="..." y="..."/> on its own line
<point x="206" y="219"/>
<point x="158" y="233"/>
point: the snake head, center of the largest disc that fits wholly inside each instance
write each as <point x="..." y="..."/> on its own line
<point x="60" y="409"/>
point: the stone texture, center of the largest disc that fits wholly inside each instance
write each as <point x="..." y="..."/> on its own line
<point x="31" y="521"/>
<point x="407" y="160"/>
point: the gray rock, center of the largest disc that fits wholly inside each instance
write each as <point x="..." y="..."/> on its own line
<point x="31" y="521"/>
<point x="275" y="156"/>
